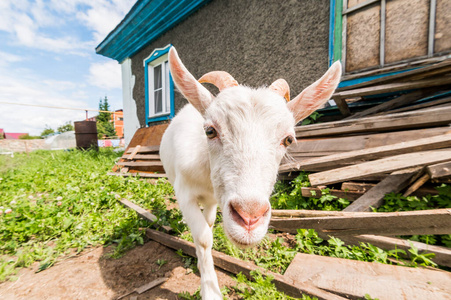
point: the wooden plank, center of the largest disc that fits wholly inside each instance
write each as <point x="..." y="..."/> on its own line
<point x="332" y="145"/>
<point x="334" y="160"/>
<point x="293" y="213"/>
<point x="417" y="184"/>
<point x="147" y="149"/>
<point x="316" y="193"/>
<point x="439" y="170"/>
<point x="418" y="119"/>
<point x="433" y="103"/>
<point x="407" y="74"/>
<point x="140" y="163"/>
<point x="143" y="213"/>
<point x="140" y="174"/>
<point x="391" y="104"/>
<point x="143" y="157"/>
<point x="342" y="106"/>
<point x="357" y="186"/>
<point x="391" y="87"/>
<point x="394" y="183"/>
<point x="437" y="221"/>
<point x="355" y="279"/>
<point x="383" y="165"/>
<point x="442" y="254"/>
<point x="135" y="151"/>
<point x="289" y="286"/>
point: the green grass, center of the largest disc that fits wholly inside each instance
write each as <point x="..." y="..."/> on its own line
<point x="56" y="203"/>
<point x="62" y="202"/>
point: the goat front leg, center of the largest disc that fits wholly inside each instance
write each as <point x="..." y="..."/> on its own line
<point x="203" y="239"/>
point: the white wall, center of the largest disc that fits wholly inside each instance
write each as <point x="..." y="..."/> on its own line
<point x="131" y="122"/>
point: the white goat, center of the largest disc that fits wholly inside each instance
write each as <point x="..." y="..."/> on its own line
<point x="226" y="150"/>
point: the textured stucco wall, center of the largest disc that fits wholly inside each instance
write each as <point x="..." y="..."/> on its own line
<point x="257" y="41"/>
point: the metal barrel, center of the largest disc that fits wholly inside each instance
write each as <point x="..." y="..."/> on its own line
<point x="86" y="134"/>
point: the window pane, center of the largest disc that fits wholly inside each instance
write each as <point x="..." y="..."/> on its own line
<point x="157" y="77"/>
<point x="406" y="34"/>
<point x="167" y="91"/>
<point x="443" y="23"/>
<point x="158" y="97"/>
<point x="362" y="38"/>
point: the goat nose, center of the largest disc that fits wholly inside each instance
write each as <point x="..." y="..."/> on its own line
<point x="249" y="216"/>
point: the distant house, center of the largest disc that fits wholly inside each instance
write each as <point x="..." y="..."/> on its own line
<point x="14" y="136"/>
<point x="118" y="119"/>
<point x="260" y="41"/>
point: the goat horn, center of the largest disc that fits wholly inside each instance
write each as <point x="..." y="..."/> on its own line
<point x="281" y="87"/>
<point x="220" y="79"/>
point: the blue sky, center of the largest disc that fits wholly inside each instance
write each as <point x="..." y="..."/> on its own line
<point x="47" y="57"/>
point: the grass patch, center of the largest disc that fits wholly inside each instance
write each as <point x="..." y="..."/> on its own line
<point x="56" y="203"/>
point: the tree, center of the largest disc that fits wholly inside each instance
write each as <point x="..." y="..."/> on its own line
<point x="66" y="127"/>
<point x="47" y="131"/>
<point x="105" y="126"/>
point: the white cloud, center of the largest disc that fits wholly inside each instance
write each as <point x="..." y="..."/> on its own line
<point x="105" y="75"/>
<point x="30" y="90"/>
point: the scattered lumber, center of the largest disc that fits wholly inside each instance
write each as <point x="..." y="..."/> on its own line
<point x="143" y="161"/>
<point x="317" y="193"/>
<point x="334" y="160"/>
<point x="289" y="286"/>
<point x="391" y="104"/>
<point x="430" y="117"/>
<point x="437" y="221"/>
<point x="143" y="213"/>
<point x="439" y="170"/>
<point x="145" y="287"/>
<point x="394" y="183"/>
<point x="354" y="279"/>
<point x="442" y="254"/>
<point x="417" y="73"/>
<point x="383" y="165"/>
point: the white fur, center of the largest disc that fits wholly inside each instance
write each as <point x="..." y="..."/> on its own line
<point x="237" y="167"/>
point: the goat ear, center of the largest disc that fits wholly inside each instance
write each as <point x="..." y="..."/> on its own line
<point x="191" y="89"/>
<point x="314" y="96"/>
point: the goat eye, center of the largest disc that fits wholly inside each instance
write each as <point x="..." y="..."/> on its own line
<point x="211" y="133"/>
<point x="287" y="141"/>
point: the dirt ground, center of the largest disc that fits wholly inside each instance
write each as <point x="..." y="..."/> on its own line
<point x="92" y="276"/>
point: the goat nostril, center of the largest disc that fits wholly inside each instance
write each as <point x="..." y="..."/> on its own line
<point x="247" y="219"/>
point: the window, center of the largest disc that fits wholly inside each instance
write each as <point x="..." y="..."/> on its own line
<point x="389" y="34"/>
<point x="159" y="86"/>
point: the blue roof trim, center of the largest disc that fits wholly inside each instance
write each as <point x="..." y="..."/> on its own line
<point x="146" y="21"/>
<point x="350" y="82"/>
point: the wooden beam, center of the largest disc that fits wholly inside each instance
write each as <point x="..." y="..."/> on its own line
<point x="391" y="104"/>
<point x="140" y="174"/>
<point x="317" y="193"/>
<point x="355" y="279"/>
<point x="143" y="213"/>
<point x="135" y="151"/>
<point x="439" y="170"/>
<point x="334" y="160"/>
<point x="440" y="67"/>
<point x="383" y="165"/>
<point x="392" y="87"/>
<point x="417" y="119"/>
<point x="235" y="266"/>
<point x="394" y="183"/>
<point x="433" y="103"/>
<point x="442" y="254"/>
<point x="140" y="163"/>
<point x="417" y="184"/>
<point x="437" y="221"/>
<point x="342" y="106"/>
<point x="296" y="213"/>
<point x="145" y="149"/>
<point x="143" y="157"/>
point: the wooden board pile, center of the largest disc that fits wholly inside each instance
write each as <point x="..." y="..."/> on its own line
<point x="401" y="145"/>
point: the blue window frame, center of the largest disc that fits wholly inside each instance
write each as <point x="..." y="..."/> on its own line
<point x="159" y="86"/>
